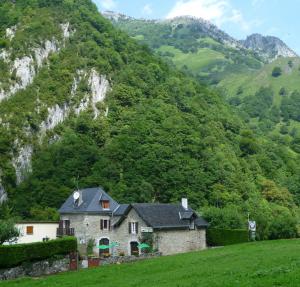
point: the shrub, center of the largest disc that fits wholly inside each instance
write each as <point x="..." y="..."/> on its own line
<point x="14" y="255"/>
<point x="228" y="217"/>
<point x="222" y="237"/>
<point x="8" y="231"/>
<point x="276" y="72"/>
<point x="283" y="92"/>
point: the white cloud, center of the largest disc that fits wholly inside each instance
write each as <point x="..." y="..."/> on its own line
<point x="147" y="9"/>
<point x="211" y="10"/>
<point x="107" y="4"/>
<point x="216" y="11"/>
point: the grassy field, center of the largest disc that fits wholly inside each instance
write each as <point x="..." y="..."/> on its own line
<point x="262" y="264"/>
<point x="194" y="61"/>
<point x="251" y="82"/>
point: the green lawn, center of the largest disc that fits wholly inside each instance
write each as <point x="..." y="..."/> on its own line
<point x="269" y="263"/>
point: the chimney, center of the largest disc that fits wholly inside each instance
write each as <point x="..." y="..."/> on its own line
<point x="184" y="203"/>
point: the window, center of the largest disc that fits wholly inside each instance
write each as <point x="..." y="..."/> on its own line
<point x="133" y="228"/>
<point x="105" y="224"/>
<point x="105" y="204"/>
<point x="192" y="225"/>
<point x="29" y="230"/>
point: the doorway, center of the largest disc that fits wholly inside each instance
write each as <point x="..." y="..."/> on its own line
<point x="134" y="248"/>
<point x="104" y="252"/>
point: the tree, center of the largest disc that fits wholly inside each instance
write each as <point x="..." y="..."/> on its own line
<point x="8" y="231"/>
<point x="276" y="72"/>
<point x="283" y="91"/>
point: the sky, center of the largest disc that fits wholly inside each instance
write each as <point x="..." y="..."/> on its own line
<point x="238" y="18"/>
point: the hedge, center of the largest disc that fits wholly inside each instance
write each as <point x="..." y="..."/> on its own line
<point x="14" y="255"/>
<point x="222" y="237"/>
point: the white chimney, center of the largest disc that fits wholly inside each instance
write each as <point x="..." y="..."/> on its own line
<point x="184" y="203"/>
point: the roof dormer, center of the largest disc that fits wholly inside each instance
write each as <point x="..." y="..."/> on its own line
<point x="105" y="204"/>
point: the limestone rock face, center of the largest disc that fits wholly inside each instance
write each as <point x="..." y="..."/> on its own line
<point x="3" y="195"/>
<point x="26" y="68"/>
<point x="99" y="87"/>
<point x="22" y="162"/>
<point x="269" y="47"/>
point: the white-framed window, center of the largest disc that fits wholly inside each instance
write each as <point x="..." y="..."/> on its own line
<point x="104" y="224"/>
<point x="133" y="228"/>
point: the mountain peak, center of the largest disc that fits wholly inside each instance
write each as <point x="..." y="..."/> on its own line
<point x="269" y="47"/>
<point x="114" y="16"/>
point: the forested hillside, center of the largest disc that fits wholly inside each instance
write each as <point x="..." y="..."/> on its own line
<point x="83" y="104"/>
<point x="193" y="45"/>
<point x="262" y="81"/>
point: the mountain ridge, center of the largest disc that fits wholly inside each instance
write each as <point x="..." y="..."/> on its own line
<point x="268" y="47"/>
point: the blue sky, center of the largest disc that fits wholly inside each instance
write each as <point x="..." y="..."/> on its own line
<point x="238" y="18"/>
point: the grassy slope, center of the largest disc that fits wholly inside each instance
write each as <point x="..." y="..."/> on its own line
<point x="194" y="61"/>
<point x="269" y="263"/>
<point x="290" y="79"/>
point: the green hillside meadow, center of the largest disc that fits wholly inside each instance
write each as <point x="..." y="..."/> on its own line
<point x="263" y="264"/>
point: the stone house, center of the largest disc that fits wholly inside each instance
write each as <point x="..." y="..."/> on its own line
<point x="92" y="215"/>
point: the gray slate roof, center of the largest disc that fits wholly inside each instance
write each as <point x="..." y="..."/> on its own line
<point x="165" y="216"/>
<point x="200" y="222"/>
<point x="155" y="215"/>
<point x="90" y="202"/>
<point x="122" y="208"/>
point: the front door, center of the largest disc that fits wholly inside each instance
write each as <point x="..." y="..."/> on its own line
<point x="104" y="252"/>
<point x="134" y="249"/>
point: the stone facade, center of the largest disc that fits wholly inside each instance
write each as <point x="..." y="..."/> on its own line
<point x="165" y="241"/>
<point x="186" y="240"/>
<point x="88" y="227"/>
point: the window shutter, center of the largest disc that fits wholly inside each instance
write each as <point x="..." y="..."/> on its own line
<point x="61" y="224"/>
<point x="101" y="224"/>
<point x="109" y="225"/>
<point x="136" y="227"/>
<point x="129" y="227"/>
<point x="67" y="224"/>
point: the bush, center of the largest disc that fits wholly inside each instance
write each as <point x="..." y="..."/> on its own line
<point x="276" y="72"/>
<point x="229" y="217"/>
<point x="8" y="231"/>
<point x="222" y="237"/>
<point x="14" y="255"/>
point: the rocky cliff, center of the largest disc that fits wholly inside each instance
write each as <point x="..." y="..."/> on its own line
<point x="268" y="47"/>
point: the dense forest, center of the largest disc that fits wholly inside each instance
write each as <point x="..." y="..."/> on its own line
<point x="160" y="134"/>
<point x="264" y="91"/>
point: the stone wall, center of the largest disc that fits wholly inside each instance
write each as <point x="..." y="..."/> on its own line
<point x="122" y="259"/>
<point x="180" y="241"/>
<point x="127" y="259"/>
<point x="35" y="269"/>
